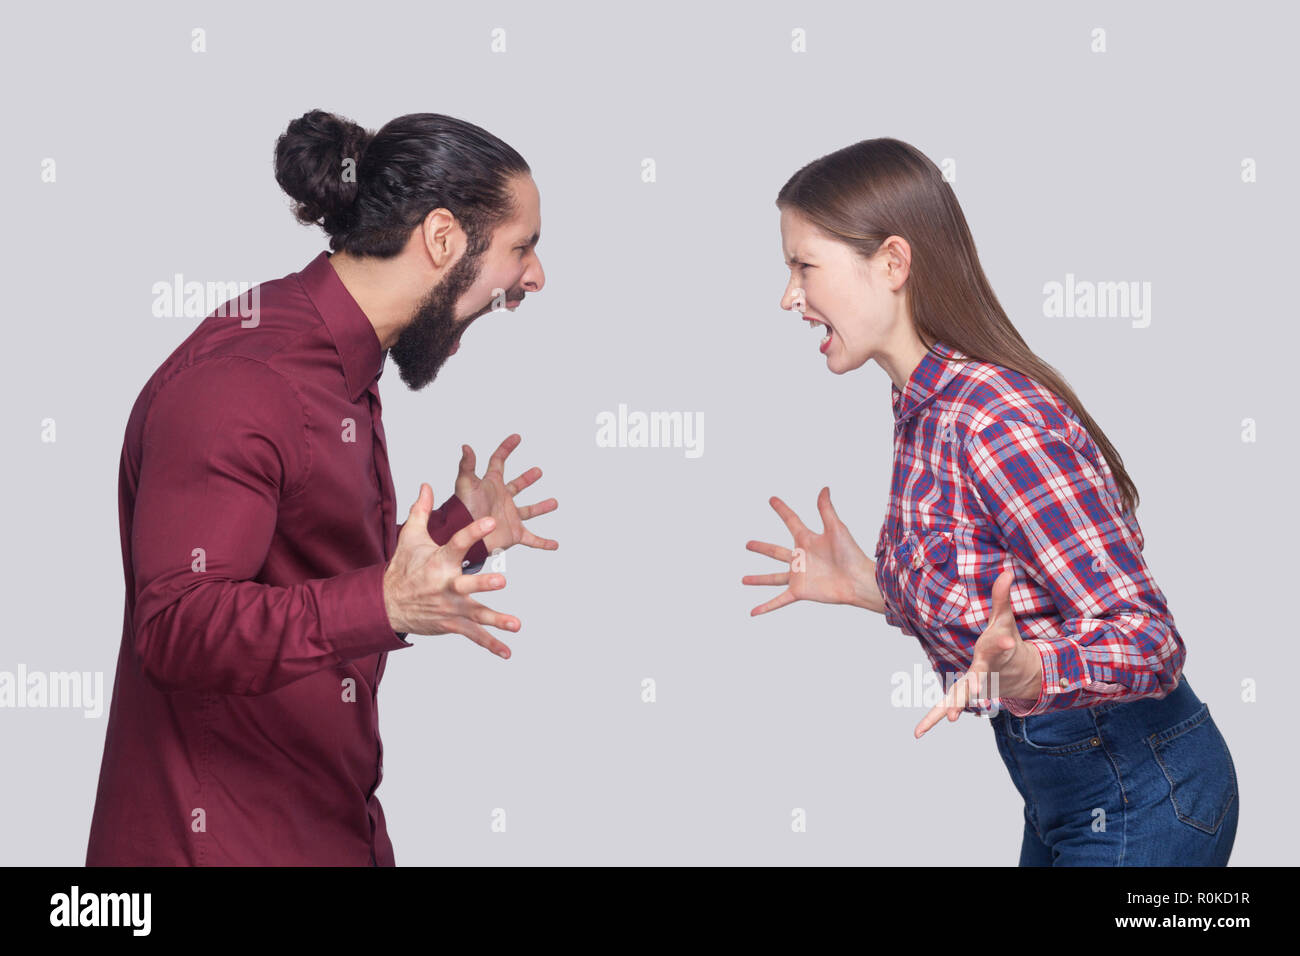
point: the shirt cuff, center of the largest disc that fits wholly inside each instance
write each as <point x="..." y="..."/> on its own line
<point x="458" y="517"/>
<point x="353" y="618"/>
<point x="1064" y="670"/>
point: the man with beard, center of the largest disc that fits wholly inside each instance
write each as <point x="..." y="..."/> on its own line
<point x="266" y="575"/>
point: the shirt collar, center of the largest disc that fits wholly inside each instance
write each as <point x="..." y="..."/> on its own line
<point x="935" y="370"/>
<point x="354" y="337"/>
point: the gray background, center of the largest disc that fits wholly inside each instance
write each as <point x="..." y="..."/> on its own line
<point x="664" y="296"/>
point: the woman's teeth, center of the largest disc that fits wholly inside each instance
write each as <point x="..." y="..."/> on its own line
<point x="815" y="324"/>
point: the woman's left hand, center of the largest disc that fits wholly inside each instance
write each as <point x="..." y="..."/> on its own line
<point x="999" y="651"/>
<point x="492" y="496"/>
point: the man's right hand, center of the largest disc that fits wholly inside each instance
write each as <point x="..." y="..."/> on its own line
<point x="425" y="591"/>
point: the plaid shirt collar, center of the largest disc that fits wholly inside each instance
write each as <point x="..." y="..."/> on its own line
<point x="935" y="370"/>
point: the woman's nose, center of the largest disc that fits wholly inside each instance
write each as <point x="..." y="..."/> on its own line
<point x="796" y="299"/>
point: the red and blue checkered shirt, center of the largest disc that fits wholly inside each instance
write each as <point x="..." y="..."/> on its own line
<point x="993" y="471"/>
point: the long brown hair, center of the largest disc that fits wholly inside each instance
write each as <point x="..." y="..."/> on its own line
<point x="877" y="188"/>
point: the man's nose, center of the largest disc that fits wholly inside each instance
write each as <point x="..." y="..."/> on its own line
<point x="536" y="278"/>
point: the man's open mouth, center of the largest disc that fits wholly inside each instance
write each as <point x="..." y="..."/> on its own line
<point x="510" y="304"/>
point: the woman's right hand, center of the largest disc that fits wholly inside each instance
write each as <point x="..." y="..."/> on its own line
<point x="832" y="569"/>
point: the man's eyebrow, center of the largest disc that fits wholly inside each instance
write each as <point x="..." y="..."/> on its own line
<point x="532" y="240"/>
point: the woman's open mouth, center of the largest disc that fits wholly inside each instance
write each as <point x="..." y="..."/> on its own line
<point x="830" y="333"/>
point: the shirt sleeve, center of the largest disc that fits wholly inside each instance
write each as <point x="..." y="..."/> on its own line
<point x="1115" y="639"/>
<point x="445" y="522"/>
<point x="223" y="442"/>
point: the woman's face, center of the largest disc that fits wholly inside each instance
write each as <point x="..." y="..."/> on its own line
<point x="859" y="304"/>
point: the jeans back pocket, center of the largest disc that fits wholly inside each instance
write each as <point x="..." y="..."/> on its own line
<point x="1195" y="759"/>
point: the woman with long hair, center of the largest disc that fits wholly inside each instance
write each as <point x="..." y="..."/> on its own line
<point x="1010" y="548"/>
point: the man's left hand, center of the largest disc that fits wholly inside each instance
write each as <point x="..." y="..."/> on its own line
<point x="492" y="495"/>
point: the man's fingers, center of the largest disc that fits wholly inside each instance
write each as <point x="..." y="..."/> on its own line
<point x="789" y="517"/>
<point x="780" y="577"/>
<point x="784" y="555"/>
<point x="464" y="539"/>
<point x="480" y="614"/>
<point x="467" y="461"/>
<point x="474" y="583"/>
<point x="523" y="481"/>
<point x="482" y="638"/>
<point x="533" y="541"/>
<point x="541" y="508"/>
<point x="781" y="600"/>
<point x="422" y="502"/>
<point x="418" y="516"/>
<point x="498" y="460"/>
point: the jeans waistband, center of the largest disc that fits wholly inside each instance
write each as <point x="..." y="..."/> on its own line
<point x="1143" y="715"/>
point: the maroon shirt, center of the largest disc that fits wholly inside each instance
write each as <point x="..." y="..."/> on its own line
<point x="257" y="516"/>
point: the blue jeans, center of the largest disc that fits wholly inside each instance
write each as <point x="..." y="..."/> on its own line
<point x="1141" y="782"/>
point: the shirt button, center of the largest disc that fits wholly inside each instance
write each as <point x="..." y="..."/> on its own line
<point x="1065" y="682"/>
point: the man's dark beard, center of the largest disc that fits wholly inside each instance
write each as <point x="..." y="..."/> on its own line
<point x="423" y="346"/>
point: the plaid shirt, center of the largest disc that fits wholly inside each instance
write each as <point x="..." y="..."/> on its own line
<point x="993" y="472"/>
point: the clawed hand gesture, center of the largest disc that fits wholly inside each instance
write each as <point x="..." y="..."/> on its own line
<point x="425" y="591"/>
<point x="1002" y="665"/>
<point x="492" y="496"/>
<point x="829" y="567"/>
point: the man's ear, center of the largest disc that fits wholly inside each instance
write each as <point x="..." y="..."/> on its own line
<point x="442" y="236"/>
